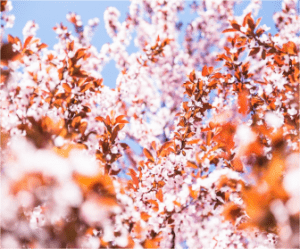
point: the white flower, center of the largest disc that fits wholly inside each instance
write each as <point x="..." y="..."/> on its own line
<point x="82" y="163"/>
<point x="291" y="182"/>
<point x="265" y="27"/>
<point x="292" y="111"/>
<point x="274" y="120"/>
<point x="245" y="135"/>
<point x="114" y="150"/>
<point x="59" y="141"/>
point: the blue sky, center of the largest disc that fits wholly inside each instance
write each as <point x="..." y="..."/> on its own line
<point x="48" y="13"/>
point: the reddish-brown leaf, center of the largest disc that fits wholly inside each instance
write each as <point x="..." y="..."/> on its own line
<point x="27" y="41"/>
<point x="204" y="71"/>
<point x="235" y="25"/>
<point x="120" y="119"/>
<point x="86" y="87"/>
<point x="160" y="195"/>
<point x="134" y="177"/>
<point x="152" y="243"/>
<point x="208" y="137"/>
<point x="17" y="40"/>
<point x="124" y="146"/>
<point x="145" y="216"/>
<point x="193" y="193"/>
<point x="66" y="87"/>
<point x="250" y="22"/>
<point x="76" y="121"/>
<point x="7" y="53"/>
<point x="43" y="45"/>
<point x="148" y="154"/>
<point x="191" y="164"/>
<point x="80" y="53"/>
<point x="153" y="145"/>
<point x="254" y="51"/>
<point x="82" y="127"/>
<point x="290" y="48"/>
<point x="60" y="73"/>
<point x="258" y="22"/>
<point x="229" y="30"/>
<point x="237" y="165"/>
<point x="107" y="120"/>
<point x="115" y="131"/>
<point x="246" y="19"/>
<point x="243" y="102"/>
<point x="70" y="45"/>
<point x="164" y="147"/>
<point x="101" y="119"/>
<point x="10" y="39"/>
<point x="192" y="76"/>
<point x="194" y="141"/>
<point x="232" y="211"/>
<point x="3" y="3"/>
<point x="263" y="54"/>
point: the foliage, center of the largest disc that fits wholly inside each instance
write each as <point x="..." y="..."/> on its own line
<point x="219" y="131"/>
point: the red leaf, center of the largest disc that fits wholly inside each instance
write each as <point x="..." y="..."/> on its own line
<point x="3" y="3"/>
<point x="134" y="177"/>
<point x="246" y="18"/>
<point x="82" y="127"/>
<point x="153" y="145"/>
<point x="263" y="54"/>
<point x="165" y="146"/>
<point x="191" y="164"/>
<point x="7" y="53"/>
<point x="120" y="119"/>
<point x="231" y="212"/>
<point x="208" y="137"/>
<point x="107" y="120"/>
<point x="204" y="71"/>
<point x="257" y="22"/>
<point x="115" y="132"/>
<point x="145" y="217"/>
<point x="148" y="154"/>
<point x="43" y="45"/>
<point x="238" y="165"/>
<point x="27" y="41"/>
<point x="60" y="73"/>
<point x="17" y="40"/>
<point x="250" y="22"/>
<point x="10" y="39"/>
<point x="235" y="25"/>
<point x="228" y="30"/>
<point x="124" y="146"/>
<point x="194" y="141"/>
<point x="254" y="51"/>
<point x="259" y="32"/>
<point x="192" y="76"/>
<point x="101" y="119"/>
<point x="243" y="102"/>
<point x="76" y="121"/>
<point x="159" y="195"/>
<point x="290" y="47"/>
<point x="80" y="53"/>
<point x="70" y="45"/>
<point x="66" y="87"/>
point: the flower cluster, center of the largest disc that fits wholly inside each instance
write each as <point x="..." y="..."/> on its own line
<point x="217" y="118"/>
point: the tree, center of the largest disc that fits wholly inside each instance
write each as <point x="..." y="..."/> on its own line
<point x="219" y="132"/>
